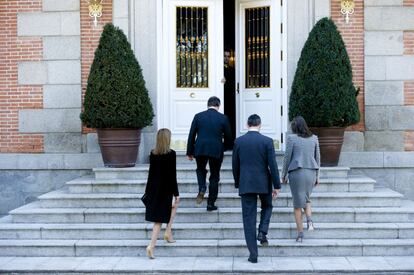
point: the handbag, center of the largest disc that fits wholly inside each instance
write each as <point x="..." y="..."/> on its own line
<point x="145" y="199"/>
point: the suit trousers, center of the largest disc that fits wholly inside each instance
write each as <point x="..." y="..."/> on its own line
<point x="249" y="212"/>
<point x="215" y="166"/>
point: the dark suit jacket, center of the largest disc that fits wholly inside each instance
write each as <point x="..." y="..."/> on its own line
<point x="207" y="132"/>
<point x="254" y="164"/>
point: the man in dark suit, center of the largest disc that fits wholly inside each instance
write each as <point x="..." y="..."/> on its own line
<point x="210" y="135"/>
<point x="254" y="170"/>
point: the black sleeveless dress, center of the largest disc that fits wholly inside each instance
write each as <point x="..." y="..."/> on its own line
<point x="161" y="187"/>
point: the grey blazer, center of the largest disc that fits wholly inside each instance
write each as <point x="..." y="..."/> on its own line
<point x="301" y="153"/>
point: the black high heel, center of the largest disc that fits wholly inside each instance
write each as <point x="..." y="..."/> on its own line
<point x="299" y="238"/>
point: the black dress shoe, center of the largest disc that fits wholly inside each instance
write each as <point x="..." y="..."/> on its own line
<point x="211" y="207"/>
<point x="252" y="260"/>
<point x="263" y="239"/>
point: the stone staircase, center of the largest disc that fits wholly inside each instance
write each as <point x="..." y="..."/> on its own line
<point x="102" y="216"/>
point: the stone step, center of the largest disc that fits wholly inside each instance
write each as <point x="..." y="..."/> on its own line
<point x="208" y="248"/>
<point x="214" y="231"/>
<point x="182" y="158"/>
<point x="381" y="197"/>
<point x="208" y="265"/>
<point x="188" y="172"/>
<point x="91" y="185"/>
<point x="33" y="214"/>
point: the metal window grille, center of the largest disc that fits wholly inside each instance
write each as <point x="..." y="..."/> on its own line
<point x="257" y="45"/>
<point x="192" y="47"/>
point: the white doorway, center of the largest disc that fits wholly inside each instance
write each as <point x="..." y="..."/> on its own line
<point x="261" y="66"/>
<point x="191" y="63"/>
<point x="191" y="68"/>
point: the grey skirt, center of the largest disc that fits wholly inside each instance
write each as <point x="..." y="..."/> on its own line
<point x="301" y="183"/>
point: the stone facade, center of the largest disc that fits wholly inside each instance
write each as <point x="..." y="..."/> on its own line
<point x="57" y="72"/>
<point x="389" y="72"/>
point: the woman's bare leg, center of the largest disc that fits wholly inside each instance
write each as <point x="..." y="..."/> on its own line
<point x="298" y="219"/>
<point x="308" y="210"/>
<point x="155" y="232"/>
<point x="168" y="232"/>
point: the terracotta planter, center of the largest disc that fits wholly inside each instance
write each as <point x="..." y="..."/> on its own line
<point x="119" y="147"/>
<point x="330" y="143"/>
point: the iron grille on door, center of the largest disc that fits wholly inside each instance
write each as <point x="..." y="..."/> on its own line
<point x="257" y="47"/>
<point x="192" y="47"/>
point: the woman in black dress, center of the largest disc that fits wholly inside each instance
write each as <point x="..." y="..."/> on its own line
<point x="161" y="188"/>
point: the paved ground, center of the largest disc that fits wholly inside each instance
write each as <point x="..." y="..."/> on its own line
<point x="206" y="265"/>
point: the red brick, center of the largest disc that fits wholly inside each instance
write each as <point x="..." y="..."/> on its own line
<point x="408" y="3"/>
<point x="409" y="42"/>
<point x="409" y="141"/>
<point x="15" y="97"/>
<point x="90" y="39"/>
<point x="353" y="36"/>
<point x="409" y="93"/>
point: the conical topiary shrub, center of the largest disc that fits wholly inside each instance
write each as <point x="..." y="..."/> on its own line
<point x="322" y="91"/>
<point x="116" y="96"/>
<point x="116" y="100"/>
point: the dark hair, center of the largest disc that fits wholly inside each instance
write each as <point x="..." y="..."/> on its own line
<point x="213" y="102"/>
<point x="254" y="120"/>
<point x="300" y="127"/>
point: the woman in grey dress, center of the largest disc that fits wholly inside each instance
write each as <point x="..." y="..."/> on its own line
<point x="301" y="165"/>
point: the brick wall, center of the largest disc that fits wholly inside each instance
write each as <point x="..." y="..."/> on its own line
<point x="409" y="141"/>
<point x="408" y="3"/>
<point x="409" y="100"/>
<point x="408" y="42"/>
<point x="14" y="97"/>
<point x="409" y="93"/>
<point x="353" y="36"/>
<point x="409" y="85"/>
<point x="90" y="40"/>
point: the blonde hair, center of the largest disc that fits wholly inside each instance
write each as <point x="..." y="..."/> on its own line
<point x="163" y="142"/>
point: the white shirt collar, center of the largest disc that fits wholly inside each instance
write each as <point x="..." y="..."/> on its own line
<point x="253" y="130"/>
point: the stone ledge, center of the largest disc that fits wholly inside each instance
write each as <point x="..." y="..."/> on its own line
<point x="399" y="159"/>
<point x="86" y="161"/>
<point x="50" y="161"/>
<point x="362" y="159"/>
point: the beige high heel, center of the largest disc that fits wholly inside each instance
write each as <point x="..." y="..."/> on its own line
<point x="168" y="240"/>
<point x="150" y="252"/>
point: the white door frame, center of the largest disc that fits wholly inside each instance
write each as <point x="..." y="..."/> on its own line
<point x="166" y="65"/>
<point x="163" y="108"/>
<point x="279" y="70"/>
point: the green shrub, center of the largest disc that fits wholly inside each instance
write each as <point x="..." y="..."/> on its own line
<point x="116" y="96"/>
<point x="323" y="91"/>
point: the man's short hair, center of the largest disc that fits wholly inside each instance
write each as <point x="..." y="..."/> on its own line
<point x="213" y="102"/>
<point x="254" y="121"/>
